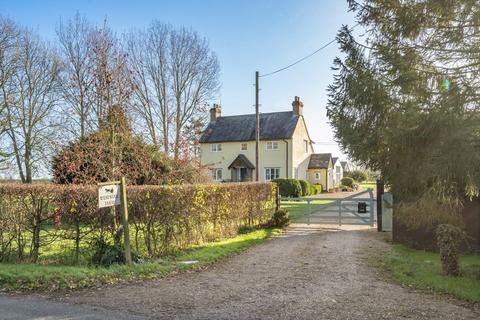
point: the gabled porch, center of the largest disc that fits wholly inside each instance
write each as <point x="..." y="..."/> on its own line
<point x="241" y="169"/>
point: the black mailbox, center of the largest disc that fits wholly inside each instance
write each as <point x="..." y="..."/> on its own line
<point x="362" y="207"/>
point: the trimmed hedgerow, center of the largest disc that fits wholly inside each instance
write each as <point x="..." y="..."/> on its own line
<point x="163" y="219"/>
<point x="289" y="187"/>
<point x="305" y="187"/>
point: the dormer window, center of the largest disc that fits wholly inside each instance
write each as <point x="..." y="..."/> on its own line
<point x="306" y="145"/>
<point x="216" y="147"/>
<point x="272" y="145"/>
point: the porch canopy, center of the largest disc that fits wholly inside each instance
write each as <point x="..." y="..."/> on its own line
<point x="241" y="161"/>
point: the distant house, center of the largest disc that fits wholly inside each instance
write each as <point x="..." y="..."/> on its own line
<point x="285" y="149"/>
<point x="345" y="166"/>
<point x="320" y="170"/>
<point x="337" y="171"/>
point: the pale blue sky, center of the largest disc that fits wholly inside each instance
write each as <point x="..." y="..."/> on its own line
<point x="247" y="35"/>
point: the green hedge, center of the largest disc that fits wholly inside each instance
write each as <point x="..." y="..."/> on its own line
<point x="315" y="188"/>
<point x="163" y="219"/>
<point x="289" y="187"/>
<point x="347" y="181"/>
<point x="356" y="175"/>
<point x="297" y="188"/>
<point x="306" y="187"/>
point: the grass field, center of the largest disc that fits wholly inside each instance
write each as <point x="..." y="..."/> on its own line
<point x="51" y="277"/>
<point x="422" y="270"/>
<point x="368" y="185"/>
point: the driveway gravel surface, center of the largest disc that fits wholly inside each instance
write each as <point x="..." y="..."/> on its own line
<point x="308" y="272"/>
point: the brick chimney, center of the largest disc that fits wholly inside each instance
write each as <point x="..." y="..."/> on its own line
<point x="215" y="112"/>
<point x="297" y="106"/>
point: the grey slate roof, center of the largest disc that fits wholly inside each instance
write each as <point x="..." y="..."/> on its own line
<point x="344" y="164"/>
<point x="273" y="126"/>
<point x="241" y="162"/>
<point x="334" y="160"/>
<point x="319" y="160"/>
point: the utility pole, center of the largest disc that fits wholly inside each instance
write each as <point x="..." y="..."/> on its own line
<point x="257" y="126"/>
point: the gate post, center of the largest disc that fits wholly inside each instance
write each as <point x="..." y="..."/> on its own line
<point x="309" y="211"/>
<point x="372" y="208"/>
<point x="380" y="191"/>
<point x="339" y="202"/>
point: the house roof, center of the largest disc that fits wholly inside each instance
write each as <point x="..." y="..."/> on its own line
<point x="334" y="160"/>
<point x="241" y="161"/>
<point x="273" y="126"/>
<point x="344" y="164"/>
<point x="319" y="160"/>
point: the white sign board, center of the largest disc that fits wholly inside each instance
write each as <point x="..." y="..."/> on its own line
<point x="109" y="195"/>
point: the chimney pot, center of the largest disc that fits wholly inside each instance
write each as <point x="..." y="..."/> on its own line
<point x="215" y="112"/>
<point x="297" y="106"/>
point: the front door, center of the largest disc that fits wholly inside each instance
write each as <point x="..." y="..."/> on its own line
<point x="243" y="174"/>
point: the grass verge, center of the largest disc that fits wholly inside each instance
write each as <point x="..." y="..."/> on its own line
<point x="53" y="277"/>
<point x="422" y="270"/>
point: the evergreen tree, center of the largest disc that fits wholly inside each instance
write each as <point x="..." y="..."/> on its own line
<point x="404" y="100"/>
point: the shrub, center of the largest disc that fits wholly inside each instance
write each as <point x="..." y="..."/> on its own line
<point x="106" y="254"/>
<point x="89" y="159"/>
<point x="448" y="240"/>
<point x="347" y="182"/>
<point x="279" y="219"/>
<point x="357" y="175"/>
<point x="163" y="219"/>
<point x="305" y="185"/>
<point x="318" y="188"/>
<point x="289" y="187"/>
<point x="311" y="190"/>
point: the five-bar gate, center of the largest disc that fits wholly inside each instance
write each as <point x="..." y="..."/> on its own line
<point x="358" y="208"/>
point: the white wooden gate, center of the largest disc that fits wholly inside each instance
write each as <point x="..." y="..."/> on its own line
<point x="358" y="208"/>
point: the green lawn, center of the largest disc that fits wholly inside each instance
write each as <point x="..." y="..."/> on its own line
<point x="422" y="270"/>
<point x="51" y="277"/>
<point x="297" y="209"/>
<point x="368" y="185"/>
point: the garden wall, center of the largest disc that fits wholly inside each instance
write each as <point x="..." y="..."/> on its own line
<point x="163" y="219"/>
<point x="424" y="239"/>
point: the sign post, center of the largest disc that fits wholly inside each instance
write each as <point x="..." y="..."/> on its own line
<point x="112" y="194"/>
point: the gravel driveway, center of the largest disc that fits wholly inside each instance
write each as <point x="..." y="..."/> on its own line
<point x="306" y="273"/>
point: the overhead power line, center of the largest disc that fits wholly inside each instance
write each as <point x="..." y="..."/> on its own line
<point x="304" y="58"/>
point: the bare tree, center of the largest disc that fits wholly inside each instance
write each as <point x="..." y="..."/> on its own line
<point x="8" y="34"/>
<point x="112" y="85"/>
<point x="195" y="72"/>
<point x="29" y="100"/>
<point x="76" y="79"/>
<point x="149" y="61"/>
<point x="175" y="74"/>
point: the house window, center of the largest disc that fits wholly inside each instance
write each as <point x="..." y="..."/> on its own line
<point x="243" y="146"/>
<point x="296" y="173"/>
<point x="306" y="145"/>
<point x="317" y="175"/>
<point x="217" y="174"/>
<point x="272" y="145"/>
<point x="272" y="173"/>
<point x="216" y="147"/>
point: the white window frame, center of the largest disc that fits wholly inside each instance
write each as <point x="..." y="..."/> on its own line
<point x="296" y="173"/>
<point x="272" y="170"/>
<point x="216" y="147"/>
<point x="242" y="145"/>
<point x="317" y="176"/>
<point x="215" y="175"/>
<point x="271" y="145"/>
